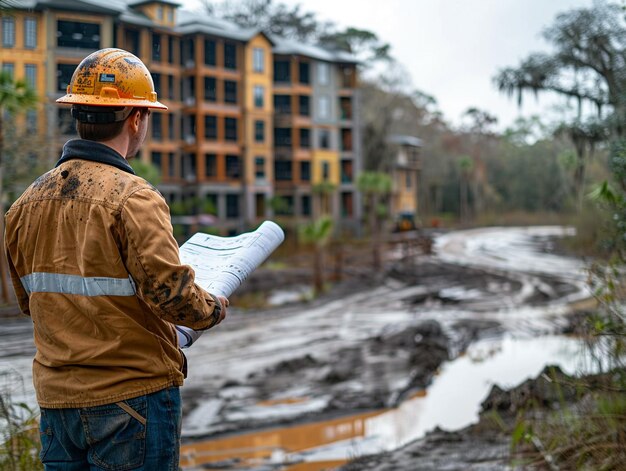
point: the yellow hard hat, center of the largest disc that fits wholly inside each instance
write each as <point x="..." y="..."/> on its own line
<point x="112" y="77"/>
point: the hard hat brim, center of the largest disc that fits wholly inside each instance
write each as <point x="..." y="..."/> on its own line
<point x="76" y="99"/>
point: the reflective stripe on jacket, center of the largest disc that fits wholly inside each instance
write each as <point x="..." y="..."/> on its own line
<point x="94" y="263"/>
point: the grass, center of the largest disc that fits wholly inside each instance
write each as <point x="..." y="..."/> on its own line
<point x="19" y="431"/>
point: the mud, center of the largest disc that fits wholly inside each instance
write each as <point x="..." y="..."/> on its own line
<point x="486" y="445"/>
<point x="369" y="343"/>
<point x="326" y="375"/>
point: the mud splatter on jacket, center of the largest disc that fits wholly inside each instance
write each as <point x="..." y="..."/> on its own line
<point x="94" y="263"/>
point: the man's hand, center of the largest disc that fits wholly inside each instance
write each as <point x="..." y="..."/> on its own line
<point x="224" y="302"/>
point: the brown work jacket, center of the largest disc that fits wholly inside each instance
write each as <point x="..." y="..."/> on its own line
<point x="94" y="263"/>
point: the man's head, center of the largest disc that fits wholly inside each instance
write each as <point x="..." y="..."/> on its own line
<point x="111" y="93"/>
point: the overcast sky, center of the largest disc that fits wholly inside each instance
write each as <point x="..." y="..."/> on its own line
<point x="453" y="48"/>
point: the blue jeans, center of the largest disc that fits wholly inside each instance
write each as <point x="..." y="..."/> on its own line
<point x="142" y="433"/>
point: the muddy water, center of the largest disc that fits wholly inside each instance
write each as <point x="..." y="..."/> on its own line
<point x="451" y="402"/>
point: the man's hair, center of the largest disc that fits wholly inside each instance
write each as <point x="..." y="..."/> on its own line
<point x="105" y="131"/>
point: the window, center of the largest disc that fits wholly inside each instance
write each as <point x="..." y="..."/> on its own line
<point x="347" y="77"/>
<point x="304" y="72"/>
<point x="259" y="167"/>
<point x="189" y="128"/>
<point x="155" y="158"/>
<point x="259" y="131"/>
<point x="156" y="47"/>
<point x="157" y="126"/>
<point x="408" y="181"/>
<point x="171" y="90"/>
<point x="8" y="32"/>
<point x="305" y="171"/>
<point x="325" y="171"/>
<point x="210" y="89"/>
<point x="259" y="96"/>
<point x="324" y="139"/>
<point x="230" y="125"/>
<point x="160" y="13"/>
<point x="210" y="165"/>
<point x="210" y="127"/>
<point x="346" y="171"/>
<point x="346" y="108"/>
<point x="156" y="79"/>
<point x="305" y="202"/>
<point x="282" y="170"/>
<point x="188" y="90"/>
<point x="171" y="44"/>
<point x="282" y="72"/>
<point x="230" y="55"/>
<point x="259" y="203"/>
<point x="172" y="165"/>
<point x="75" y="34"/>
<point x="9" y="69"/>
<point x="323" y="107"/>
<point x="171" y="127"/>
<point x="305" y="138"/>
<point x="132" y="41"/>
<point x="64" y="75"/>
<point x="209" y="52"/>
<point x="346" y="140"/>
<point x="30" y="33"/>
<point x="233" y="166"/>
<point x="282" y="137"/>
<point x="282" y="104"/>
<point x="304" y="105"/>
<point x="230" y="91"/>
<point x="323" y="73"/>
<point x="189" y="167"/>
<point x="232" y="206"/>
<point x="187" y="52"/>
<point x="258" y="59"/>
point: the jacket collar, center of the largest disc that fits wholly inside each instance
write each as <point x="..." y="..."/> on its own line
<point x="95" y="152"/>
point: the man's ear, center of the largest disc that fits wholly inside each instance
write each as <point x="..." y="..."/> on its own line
<point x="134" y="120"/>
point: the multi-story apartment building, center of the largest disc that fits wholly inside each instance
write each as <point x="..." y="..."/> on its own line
<point x="251" y="117"/>
<point x="314" y="129"/>
<point x="405" y="175"/>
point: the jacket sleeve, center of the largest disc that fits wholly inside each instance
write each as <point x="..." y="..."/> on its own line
<point x="20" y="292"/>
<point x="151" y="257"/>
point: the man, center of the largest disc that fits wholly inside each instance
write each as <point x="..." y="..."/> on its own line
<point x="94" y="263"/>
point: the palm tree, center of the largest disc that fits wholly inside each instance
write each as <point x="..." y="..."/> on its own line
<point x="318" y="233"/>
<point x="376" y="188"/>
<point x="15" y="96"/>
<point x="323" y="192"/>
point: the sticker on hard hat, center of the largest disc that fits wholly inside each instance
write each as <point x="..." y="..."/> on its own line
<point x="84" y="84"/>
<point x="107" y="78"/>
<point x="131" y="60"/>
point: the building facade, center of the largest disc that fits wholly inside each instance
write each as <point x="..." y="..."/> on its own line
<point x="251" y="119"/>
<point x="405" y="175"/>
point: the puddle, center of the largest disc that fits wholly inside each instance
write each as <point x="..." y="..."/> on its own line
<point x="451" y="402"/>
<point x="294" y="294"/>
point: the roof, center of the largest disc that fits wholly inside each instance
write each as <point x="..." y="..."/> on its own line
<point x="87" y="6"/>
<point x="189" y="22"/>
<point x="405" y="140"/>
<point x="147" y="2"/>
<point x="194" y="22"/>
<point x="291" y="46"/>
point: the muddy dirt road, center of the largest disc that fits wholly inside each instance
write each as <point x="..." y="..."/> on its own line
<point x="369" y="347"/>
